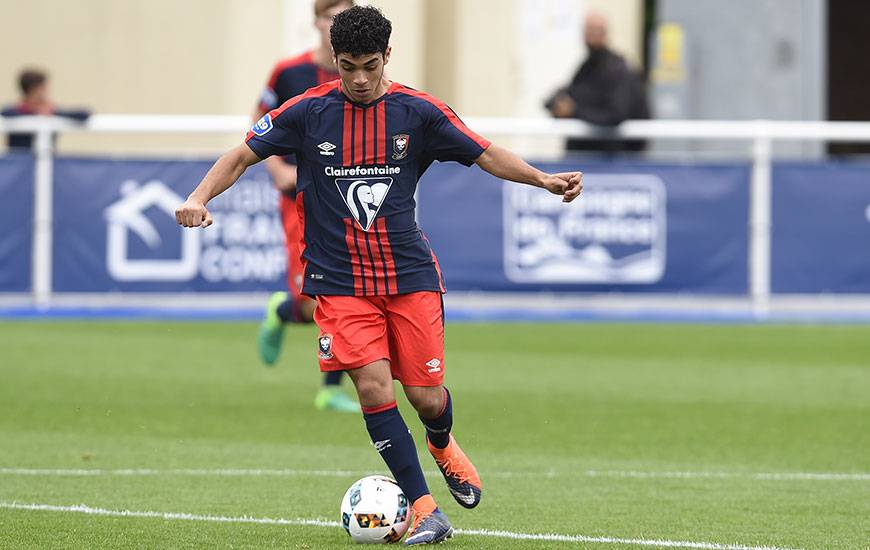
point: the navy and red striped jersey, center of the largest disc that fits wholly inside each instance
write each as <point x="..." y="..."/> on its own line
<point x="291" y="77"/>
<point x="25" y="140"/>
<point x="358" y="167"/>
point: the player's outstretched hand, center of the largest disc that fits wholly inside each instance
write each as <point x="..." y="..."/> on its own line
<point x="193" y="214"/>
<point x="567" y="184"/>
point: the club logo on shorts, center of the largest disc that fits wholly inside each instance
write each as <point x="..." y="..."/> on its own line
<point x="400" y="146"/>
<point x="324" y="344"/>
<point x="262" y="126"/>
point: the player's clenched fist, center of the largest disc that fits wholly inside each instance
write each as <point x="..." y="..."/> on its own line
<point x="193" y="214"/>
<point x="567" y="184"/>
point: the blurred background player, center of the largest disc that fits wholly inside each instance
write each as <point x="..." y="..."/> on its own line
<point x="36" y="100"/>
<point x="291" y="77"/>
<point x="604" y="91"/>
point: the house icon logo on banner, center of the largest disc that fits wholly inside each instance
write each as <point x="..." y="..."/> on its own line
<point x="127" y="216"/>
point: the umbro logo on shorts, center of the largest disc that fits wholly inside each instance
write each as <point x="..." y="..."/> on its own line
<point x="434" y="365"/>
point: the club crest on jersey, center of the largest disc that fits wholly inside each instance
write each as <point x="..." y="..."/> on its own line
<point x="324" y="347"/>
<point x="262" y="126"/>
<point x="400" y="146"/>
<point x="364" y="197"/>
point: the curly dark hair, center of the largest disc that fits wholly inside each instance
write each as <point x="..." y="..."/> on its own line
<point x="360" y="30"/>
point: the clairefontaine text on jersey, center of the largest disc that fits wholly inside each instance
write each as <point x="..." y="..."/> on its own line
<point x="362" y="171"/>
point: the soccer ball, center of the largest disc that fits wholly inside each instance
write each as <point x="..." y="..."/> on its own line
<point x="375" y="511"/>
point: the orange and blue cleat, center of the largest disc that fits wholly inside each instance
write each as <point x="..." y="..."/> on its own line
<point x="459" y="472"/>
<point x="430" y="524"/>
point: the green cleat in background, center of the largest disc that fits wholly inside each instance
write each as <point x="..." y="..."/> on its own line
<point x="331" y="398"/>
<point x="271" y="334"/>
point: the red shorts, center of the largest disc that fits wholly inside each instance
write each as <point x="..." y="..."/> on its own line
<point x="292" y="237"/>
<point x="405" y="329"/>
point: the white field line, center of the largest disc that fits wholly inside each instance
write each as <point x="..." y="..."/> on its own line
<point x="83" y="509"/>
<point x="770" y="476"/>
<point x="244" y="472"/>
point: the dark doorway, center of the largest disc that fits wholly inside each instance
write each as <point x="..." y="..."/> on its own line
<point x="848" y="70"/>
<point x="650" y="20"/>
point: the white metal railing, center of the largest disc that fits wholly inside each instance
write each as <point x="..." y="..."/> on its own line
<point x="655" y="129"/>
<point x="759" y="133"/>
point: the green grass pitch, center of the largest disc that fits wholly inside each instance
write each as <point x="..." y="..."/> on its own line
<point x="691" y="434"/>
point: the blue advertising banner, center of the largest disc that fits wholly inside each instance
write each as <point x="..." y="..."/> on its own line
<point x="16" y="222"/>
<point x="639" y="227"/>
<point x="821" y="228"/>
<point x="115" y="230"/>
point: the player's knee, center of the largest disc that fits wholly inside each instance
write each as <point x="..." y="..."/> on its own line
<point x="373" y="390"/>
<point x="427" y="401"/>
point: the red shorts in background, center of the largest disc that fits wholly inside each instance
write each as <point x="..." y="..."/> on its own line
<point x="292" y="237"/>
<point x="405" y="329"/>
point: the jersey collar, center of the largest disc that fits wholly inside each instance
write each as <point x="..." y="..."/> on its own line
<point x="390" y="89"/>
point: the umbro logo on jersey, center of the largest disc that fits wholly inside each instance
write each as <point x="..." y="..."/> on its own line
<point x="262" y="126"/>
<point x="434" y="365"/>
<point x="364" y="197"/>
<point x="326" y="148"/>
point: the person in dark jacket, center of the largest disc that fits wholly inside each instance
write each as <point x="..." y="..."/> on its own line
<point x="604" y="91"/>
<point x="35" y="100"/>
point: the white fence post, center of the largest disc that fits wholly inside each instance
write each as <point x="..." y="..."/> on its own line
<point x="760" y="222"/>
<point x="43" y="192"/>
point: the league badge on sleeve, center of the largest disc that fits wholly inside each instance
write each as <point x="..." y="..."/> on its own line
<point x="400" y="146"/>
<point x="262" y="126"/>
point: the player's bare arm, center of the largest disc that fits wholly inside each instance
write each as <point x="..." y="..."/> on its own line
<point x="225" y="172"/>
<point x="504" y="164"/>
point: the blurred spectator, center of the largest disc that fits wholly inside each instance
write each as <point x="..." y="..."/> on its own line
<point x="35" y="100"/>
<point x="290" y="78"/>
<point x="604" y="92"/>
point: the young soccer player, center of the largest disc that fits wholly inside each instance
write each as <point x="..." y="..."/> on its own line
<point x="361" y="144"/>
<point x="289" y="78"/>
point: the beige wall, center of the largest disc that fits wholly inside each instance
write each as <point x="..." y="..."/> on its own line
<point x="213" y="56"/>
<point x="407" y="64"/>
<point x="488" y="56"/>
<point x="505" y="57"/>
<point x="159" y="56"/>
<point x="626" y="26"/>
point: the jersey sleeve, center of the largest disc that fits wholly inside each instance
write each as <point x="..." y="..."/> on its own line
<point x="278" y="132"/>
<point x="269" y="95"/>
<point x="268" y="99"/>
<point x="450" y="139"/>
